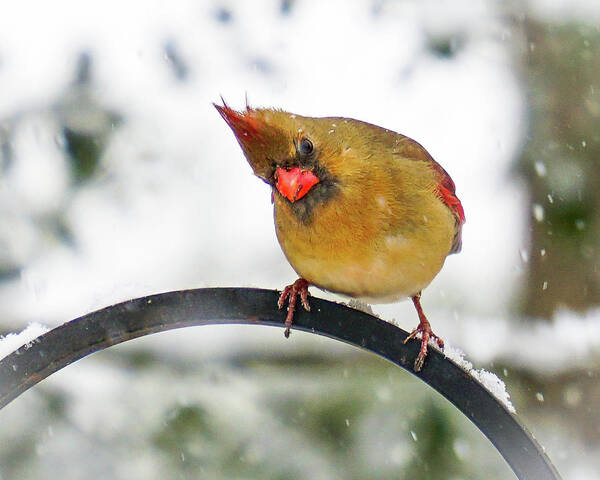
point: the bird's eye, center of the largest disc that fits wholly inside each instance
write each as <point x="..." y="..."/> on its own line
<point x="305" y="147"/>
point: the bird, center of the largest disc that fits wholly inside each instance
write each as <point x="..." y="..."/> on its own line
<point x="359" y="210"/>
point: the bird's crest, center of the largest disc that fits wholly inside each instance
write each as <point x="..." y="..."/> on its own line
<point x="245" y="124"/>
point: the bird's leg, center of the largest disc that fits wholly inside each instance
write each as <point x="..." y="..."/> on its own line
<point x="290" y="293"/>
<point x="424" y="328"/>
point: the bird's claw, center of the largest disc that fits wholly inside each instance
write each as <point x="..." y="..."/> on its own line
<point x="427" y="334"/>
<point x="290" y="293"/>
<point x="424" y="328"/>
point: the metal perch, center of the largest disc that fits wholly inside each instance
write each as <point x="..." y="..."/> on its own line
<point x="143" y="316"/>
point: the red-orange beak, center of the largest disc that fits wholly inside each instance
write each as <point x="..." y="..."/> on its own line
<point x="295" y="183"/>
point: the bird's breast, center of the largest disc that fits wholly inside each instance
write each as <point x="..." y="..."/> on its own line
<point x="370" y="249"/>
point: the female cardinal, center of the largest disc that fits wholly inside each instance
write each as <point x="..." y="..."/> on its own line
<point x="359" y="210"/>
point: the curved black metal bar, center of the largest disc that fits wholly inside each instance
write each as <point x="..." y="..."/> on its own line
<point x="118" y="323"/>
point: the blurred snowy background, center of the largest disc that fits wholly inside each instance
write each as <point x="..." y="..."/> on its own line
<point x="119" y="179"/>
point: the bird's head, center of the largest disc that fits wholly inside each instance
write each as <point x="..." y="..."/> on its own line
<point x="285" y="150"/>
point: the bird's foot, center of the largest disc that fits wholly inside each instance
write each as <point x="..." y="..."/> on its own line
<point x="424" y="329"/>
<point x="290" y="293"/>
<point x="427" y="334"/>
